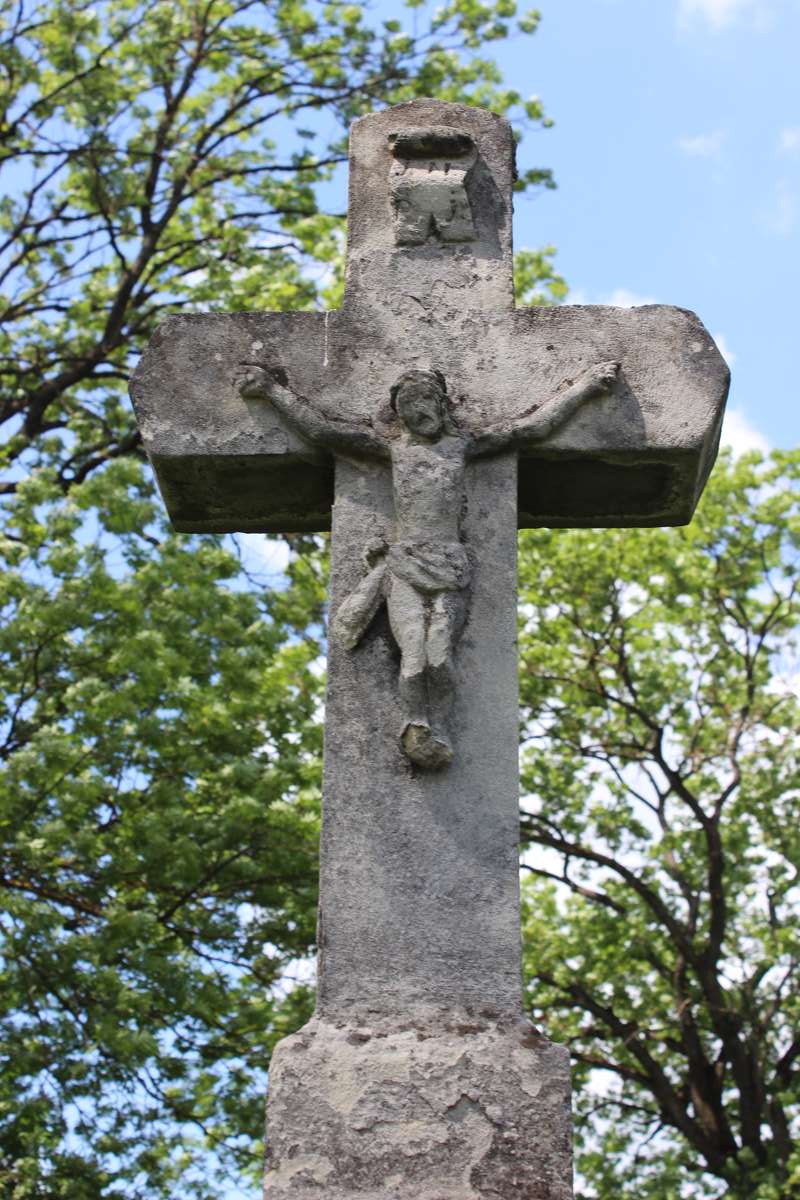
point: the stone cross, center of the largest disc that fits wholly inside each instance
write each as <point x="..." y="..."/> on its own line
<point x="432" y="418"/>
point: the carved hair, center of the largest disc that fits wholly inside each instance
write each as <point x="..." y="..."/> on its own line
<point x="417" y="376"/>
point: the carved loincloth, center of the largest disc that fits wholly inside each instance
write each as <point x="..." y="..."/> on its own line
<point x="430" y="567"/>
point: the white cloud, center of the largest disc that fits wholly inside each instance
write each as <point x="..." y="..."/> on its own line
<point x="789" y="141"/>
<point x="720" y="14"/>
<point x="703" y="145"/>
<point x="780" y="215"/>
<point x="740" y="435"/>
<point x="625" y="298"/>
<point x="620" y="298"/>
<point x="724" y="349"/>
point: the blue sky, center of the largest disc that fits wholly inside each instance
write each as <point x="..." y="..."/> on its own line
<point x="676" y="148"/>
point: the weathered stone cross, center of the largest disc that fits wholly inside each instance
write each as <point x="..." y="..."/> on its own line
<point x="434" y="418"/>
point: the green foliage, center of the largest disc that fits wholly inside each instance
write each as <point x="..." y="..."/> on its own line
<point x="159" y="767"/>
<point x="159" y="800"/>
<point x="165" y="155"/>
<point x="159" y="797"/>
<point x="662" y="777"/>
<point x="536" y="281"/>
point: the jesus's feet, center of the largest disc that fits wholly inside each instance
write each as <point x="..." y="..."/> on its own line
<point x="426" y="748"/>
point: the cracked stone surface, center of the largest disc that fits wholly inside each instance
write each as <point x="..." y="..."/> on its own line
<point x="454" y="1108"/>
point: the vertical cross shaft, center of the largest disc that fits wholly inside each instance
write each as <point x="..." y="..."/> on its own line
<point x="423" y="1079"/>
<point x="418" y="886"/>
<point x="418" y="1079"/>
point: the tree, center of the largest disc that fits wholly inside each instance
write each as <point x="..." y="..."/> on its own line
<point x="661" y="771"/>
<point x="163" y="155"/>
<point x="159" y="770"/>
<point x="159" y="799"/>
<point x="160" y="733"/>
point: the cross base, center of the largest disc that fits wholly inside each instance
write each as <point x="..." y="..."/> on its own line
<point x="452" y="1107"/>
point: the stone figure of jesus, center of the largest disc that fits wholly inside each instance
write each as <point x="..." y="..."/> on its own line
<point x="423" y="573"/>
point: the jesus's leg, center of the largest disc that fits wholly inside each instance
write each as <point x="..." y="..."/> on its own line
<point x="408" y="618"/>
<point x="448" y="614"/>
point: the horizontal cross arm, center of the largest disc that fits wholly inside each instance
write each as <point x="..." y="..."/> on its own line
<point x="227" y="461"/>
<point x="543" y="419"/>
<point x="334" y="433"/>
<point x="636" y="453"/>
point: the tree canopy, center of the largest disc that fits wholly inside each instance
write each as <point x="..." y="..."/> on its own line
<point x="159" y="797"/>
<point x="166" y="155"/>
<point x="662" y="775"/>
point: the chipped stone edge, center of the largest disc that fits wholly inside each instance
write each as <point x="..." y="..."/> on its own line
<point x="448" y="1107"/>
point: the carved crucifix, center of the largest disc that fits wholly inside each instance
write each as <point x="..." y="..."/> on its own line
<point x="432" y="418"/>
<point x="423" y="576"/>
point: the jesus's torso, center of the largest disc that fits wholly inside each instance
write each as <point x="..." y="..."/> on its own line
<point x="428" y="485"/>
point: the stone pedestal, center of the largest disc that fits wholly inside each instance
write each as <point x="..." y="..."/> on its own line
<point x="457" y="1108"/>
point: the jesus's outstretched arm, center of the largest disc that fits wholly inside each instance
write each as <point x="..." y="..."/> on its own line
<point x="258" y="383"/>
<point x="535" y="426"/>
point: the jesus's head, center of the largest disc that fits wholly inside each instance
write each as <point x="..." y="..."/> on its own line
<point x="420" y="400"/>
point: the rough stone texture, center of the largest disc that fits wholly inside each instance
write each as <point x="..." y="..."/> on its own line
<point x="419" y="923"/>
<point x="419" y="894"/>
<point x="639" y="457"/>
<point x="428" y="185"/>
<point x="463" y="1109"/>
<point x="417" y="1080"/>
